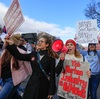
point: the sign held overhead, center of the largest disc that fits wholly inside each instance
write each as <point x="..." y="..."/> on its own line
<point x="14" y="17"/>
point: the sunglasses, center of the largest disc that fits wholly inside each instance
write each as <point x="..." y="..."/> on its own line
<point x="92" y="44"/>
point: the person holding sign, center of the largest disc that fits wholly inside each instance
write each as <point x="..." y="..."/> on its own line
<point x="93" y="57"/>
<point x="41" y="84"/>
<point x="72" y="54"/>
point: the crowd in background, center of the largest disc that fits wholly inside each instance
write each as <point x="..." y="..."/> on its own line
<point x="29" y="71"/>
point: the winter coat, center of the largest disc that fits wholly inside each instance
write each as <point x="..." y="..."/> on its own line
<point x="22" y="73"/>
<point x="38" y="87"/>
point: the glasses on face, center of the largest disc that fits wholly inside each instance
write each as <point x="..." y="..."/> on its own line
<point x="40" y="41"/>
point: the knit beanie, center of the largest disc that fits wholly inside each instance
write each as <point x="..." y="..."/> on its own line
<point x="71" y="41"/>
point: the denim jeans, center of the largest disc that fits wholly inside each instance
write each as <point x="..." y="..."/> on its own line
<point x="93" y="85"/>
<point x="1" y="83"/>
<point x="6" y="88"/>
<point x="14" y="93"/>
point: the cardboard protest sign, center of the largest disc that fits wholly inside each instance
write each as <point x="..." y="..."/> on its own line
<point x="73" y="81"/>
<point x="87" y="31"/>
<point x="13" y="18"/>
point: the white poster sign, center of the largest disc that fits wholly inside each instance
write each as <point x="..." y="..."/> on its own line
<point x="14" y="17"/>
<point x="73" y="81"/>
<point x="87" y="31"/>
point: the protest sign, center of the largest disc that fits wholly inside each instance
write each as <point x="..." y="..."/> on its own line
<point x="13" y="18"/>
<point x="73" y="81"/>
<point x="87" y="31"/>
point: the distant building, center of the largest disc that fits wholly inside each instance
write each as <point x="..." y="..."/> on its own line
<point x="44" y="33"/>
<point x="30" y="37"/>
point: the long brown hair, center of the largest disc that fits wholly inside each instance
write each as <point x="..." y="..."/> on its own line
<point x="49" y="41"/>
<point x="6" y="58"/>
<point x="15" y="64"/>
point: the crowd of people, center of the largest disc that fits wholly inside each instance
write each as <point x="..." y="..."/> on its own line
<point x="36" y="67"/>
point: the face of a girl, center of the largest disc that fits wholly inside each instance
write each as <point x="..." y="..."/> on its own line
<point x="92" y="47"/>
<point x="41" y="44"/>
<point x="71" y="48"/>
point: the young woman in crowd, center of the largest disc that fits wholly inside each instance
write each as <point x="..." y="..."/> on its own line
<point x="41" y="84"/>
<point x="13" y="71"/>
<point x="6" y="76"/>
<point x="72" y="54"/>
<point x="93" y="57"/>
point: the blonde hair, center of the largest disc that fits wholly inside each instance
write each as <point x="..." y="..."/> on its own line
<point x="15" y="38"/>
<point x="77" y="54"/>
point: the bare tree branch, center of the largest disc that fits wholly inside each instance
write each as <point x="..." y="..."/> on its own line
<point x="93" y="11"/>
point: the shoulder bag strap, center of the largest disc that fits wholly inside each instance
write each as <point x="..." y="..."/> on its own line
<point x="38" y="56"/>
